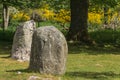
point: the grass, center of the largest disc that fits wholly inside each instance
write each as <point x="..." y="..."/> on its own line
<point x="83" y="63"/>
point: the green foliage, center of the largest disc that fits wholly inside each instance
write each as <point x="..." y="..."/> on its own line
<point x="60" y="10"/>
<point x="103" y="36"/>
<point x="6" y="35"/>
<point x="57" y="25"/>
<point x="106" y="36"/>
<point x="56" y="4"/>
<point x="110" y="3"/>
<point x="20" y="4"/>
<point x="118" y="41"/>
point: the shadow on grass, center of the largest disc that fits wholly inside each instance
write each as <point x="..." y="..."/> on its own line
<point x="6" y="56"/>
<point x="93" y="75"/>
<point x="74" y="48"/>
<point x="5" y="47"/>
<point x="20" y="70"/>
<point x="94" y="50"/>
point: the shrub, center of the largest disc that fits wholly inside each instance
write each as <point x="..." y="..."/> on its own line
<point x="95" y="18"/>
<point x="106" y="36"/>
<point x="62" y="16"/>
<point x="21" y="16"/>
<point x="6" y="35"/>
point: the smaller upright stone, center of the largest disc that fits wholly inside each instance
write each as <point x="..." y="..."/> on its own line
<point x="21" y="47"/>
<point x="49" y="51"/>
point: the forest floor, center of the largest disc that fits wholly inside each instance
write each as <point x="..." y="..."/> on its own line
<point x="83" y="63"/>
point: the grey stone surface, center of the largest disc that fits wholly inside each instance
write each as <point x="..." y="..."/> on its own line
<point x="21" y="47"/>
<point x="49" y="51"/>
<point x="34" y="78"/>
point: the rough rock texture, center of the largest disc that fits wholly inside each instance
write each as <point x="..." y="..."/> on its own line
<point x="49" y="51"/>
<point x="21" y="47"/>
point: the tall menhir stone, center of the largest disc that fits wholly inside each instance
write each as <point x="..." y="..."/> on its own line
<point x="21" y="47"/>
<point x="49" y="51"/>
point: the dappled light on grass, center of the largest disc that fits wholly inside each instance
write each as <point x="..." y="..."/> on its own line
<point x="93" y="75"/>
<point x="93" y="62"/>
<point x="93" y="67"/>
<point x="94" y="49"/>
<point x="83" y="63"/>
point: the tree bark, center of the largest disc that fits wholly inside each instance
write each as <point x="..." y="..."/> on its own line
<point x="5" y="16"/>
<point x="79" y="15"/>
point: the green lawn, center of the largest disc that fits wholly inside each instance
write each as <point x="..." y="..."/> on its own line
<point x="83" y="63"/>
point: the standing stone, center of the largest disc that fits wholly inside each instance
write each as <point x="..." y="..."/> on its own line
<point x="49" y="51"/>
<point x="21" y="47"/>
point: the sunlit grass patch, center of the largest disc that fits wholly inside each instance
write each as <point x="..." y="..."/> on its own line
<point x="83" y="63"/>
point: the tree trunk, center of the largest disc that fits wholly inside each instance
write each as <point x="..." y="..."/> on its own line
<point x="79" y="15"/>
<point x="106" y="17"/>
<point x="5" y="16"/>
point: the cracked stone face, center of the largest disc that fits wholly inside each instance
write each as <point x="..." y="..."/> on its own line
<point x="49" y="51"/>
<point x="21" y="47"/>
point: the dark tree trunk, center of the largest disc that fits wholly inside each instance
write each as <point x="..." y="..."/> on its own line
<point x="79" y="15"/>
<point x="5" y="16"/>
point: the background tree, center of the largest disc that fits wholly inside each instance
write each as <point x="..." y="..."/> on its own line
<point x="79" y="15"/>
<point x="20" y="4"/>
<point x="5" y="14"/>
